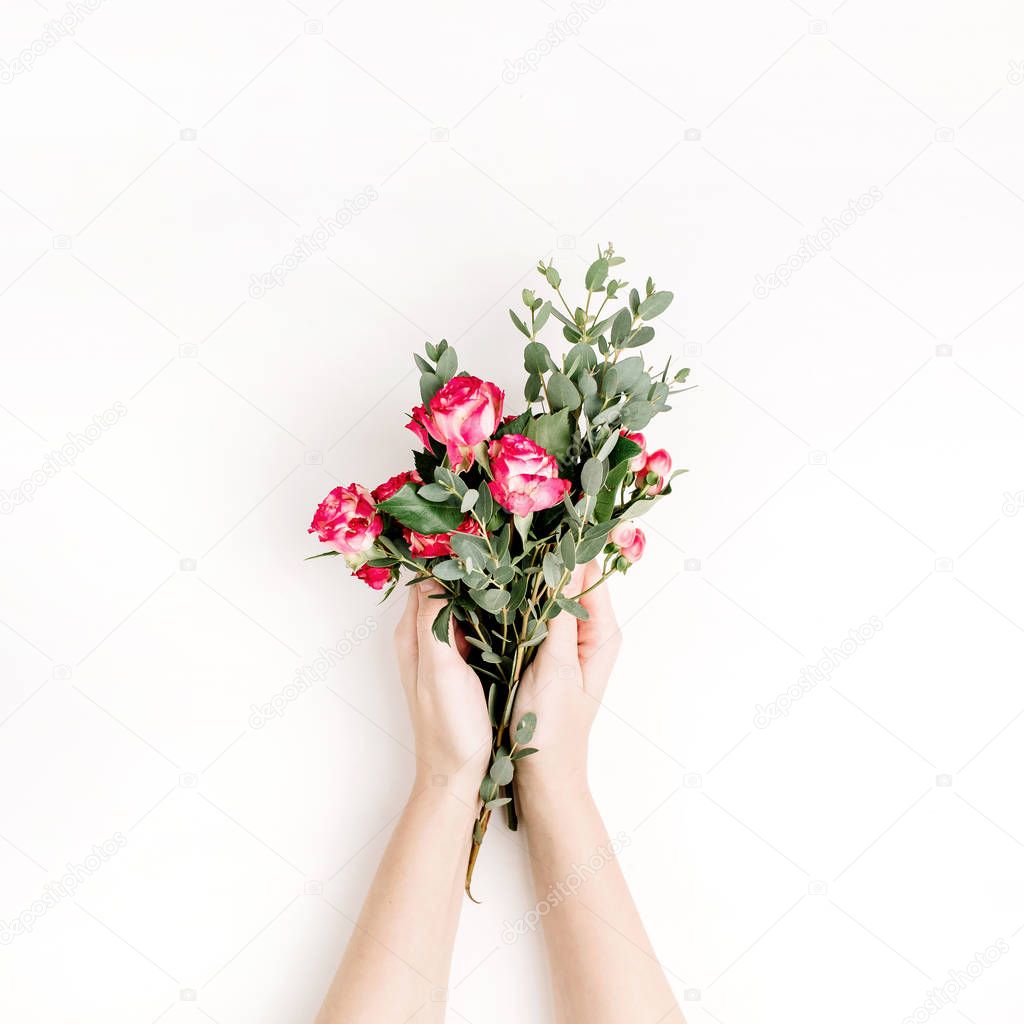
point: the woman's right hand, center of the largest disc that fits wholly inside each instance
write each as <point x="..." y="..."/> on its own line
<point x="564" y="686"/>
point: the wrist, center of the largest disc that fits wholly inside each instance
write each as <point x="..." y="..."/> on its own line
<point x="460" y="790"/>
<point x="545" y="790"/>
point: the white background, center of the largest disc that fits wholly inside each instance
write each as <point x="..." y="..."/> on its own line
<point x="854" y="445"/>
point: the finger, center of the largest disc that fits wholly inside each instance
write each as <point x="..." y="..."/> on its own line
<point x="428" y="609"/>
<point x="461" y="643"/>
<point x="599" y="636"/>
<point x="562" y="637"/>
<point x="405" y="638"/>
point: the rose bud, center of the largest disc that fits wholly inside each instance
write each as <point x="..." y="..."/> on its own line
<point x="462" y="414"/>
<point x="347" y="520"/>
<point x="660" y="464"/>
<point x="637" y="462"/>
<point x="392" y="486"/>
<point x="434" y="545"/>
<point x="525" y="476"/>
<point x="630" y="541"/>
<point x="375" y="577"/>
<point x="419" y="424"/>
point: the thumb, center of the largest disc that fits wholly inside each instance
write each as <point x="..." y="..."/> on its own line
<point x="562" y="638"/>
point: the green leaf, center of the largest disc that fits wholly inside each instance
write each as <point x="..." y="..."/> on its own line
<point x="593" y="476"/>
<point x="447" y="365"/>
<point x="449" y="570"/>
<point x="468" y="500"/>
<point x="623" y="451"/>
<point x="628" y="372"/>
<point x="419" y="515"/>
<point x="552" y="566"/>
<point x="421" y="363"/>
<point x="634" y="301"/>
<point x="519" y="323"/>
<point x="531" y="390"/>
<point x="522" y="524"/>
<point x="655" y="305"/>
<point x="562" y="394"/>
<point x="502" y="770"/>
<point x="574" y="608"/>
<point x="490" y="600"/>
<point x="488" y="789"/>
<point x="553" y="277"/>
<point x="620" y="327"/>
<point x="682" y="375"/>
<point x="524" y="730"/>
<point x="567" y="551"/>
<point x="525" y="752"/>
<point x="551" y="432"/>
<point x="484" y="503"/>
<point x="637" y="414"/>
<point x="323" y="554"/>
<point x="540" y="318"/>
<point x="606" y="498"/>
<point x="596" y="273"/>
<point x="493" y="805"/>
<point x="442" y="621"/>
<point x="537" y="358"/>
<point x="434" y="492"/>
<point x="642" y="336"/>
<point x="430" y="384"/>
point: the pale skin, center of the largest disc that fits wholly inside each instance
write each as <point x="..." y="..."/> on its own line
<point x="602" y="966"/>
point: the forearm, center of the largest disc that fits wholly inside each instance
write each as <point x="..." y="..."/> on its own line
<point x="399" y="956"/>
<point x="603" y="968"/>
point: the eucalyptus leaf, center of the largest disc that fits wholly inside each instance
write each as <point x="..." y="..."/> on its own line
<point x="592" y="476"/>
<point x="524" y="730"/>
<point x="654" y="305"/>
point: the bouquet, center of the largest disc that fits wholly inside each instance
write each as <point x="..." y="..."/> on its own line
<point x="499" y="509"/>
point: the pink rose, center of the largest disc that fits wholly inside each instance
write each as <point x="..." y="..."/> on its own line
<point x="434" y="545"/>
<point x="392" y="486"/>
<point x="375" y="577"/>
<point x="347" y="520"/>
<point x="659" y="463"/>
<point x="462" y="414"/>
<point x="525" y="476"/>
<point x="419" y="424"/>
<point x="637" y="462"/>
<point x="630" y="541"/>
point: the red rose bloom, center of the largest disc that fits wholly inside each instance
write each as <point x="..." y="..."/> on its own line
<point x="347" y="520"/>
<point x="375" y="577"/>
<point x="393" y="485"/>
<point x="434" y="545"/>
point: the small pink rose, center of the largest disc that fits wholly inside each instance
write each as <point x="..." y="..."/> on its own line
<point x="525" y="475"/>
<point x="630" y="541"/>
<point x="435" y="545"/>
<point x="375" y="577"/>
<point x="659" y="463"/>
<point x="347" y="520"/>
<point x="462" y="414"/>
<point x="394" y="484"/>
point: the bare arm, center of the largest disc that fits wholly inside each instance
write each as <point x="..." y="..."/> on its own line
<point x="603" y="968"/>
<point x="398" y="959"/>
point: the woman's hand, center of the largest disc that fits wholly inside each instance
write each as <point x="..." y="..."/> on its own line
<point x="445" y="697"/>
<point x="564" y="686"/>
